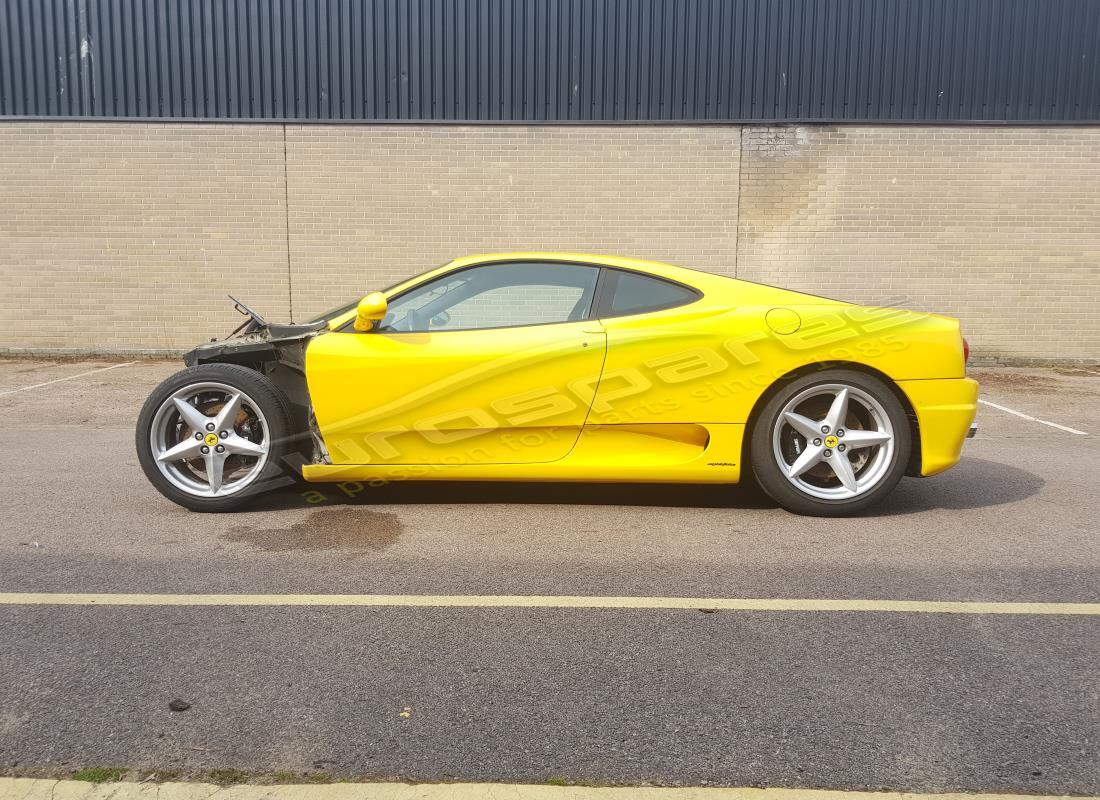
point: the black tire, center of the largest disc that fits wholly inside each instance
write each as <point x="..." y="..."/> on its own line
<point x="271" y="402"/>
<point x="774" y="481"/>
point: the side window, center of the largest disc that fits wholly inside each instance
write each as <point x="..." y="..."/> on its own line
<point x="496" y="296"/>
<point x="632" y="293"/>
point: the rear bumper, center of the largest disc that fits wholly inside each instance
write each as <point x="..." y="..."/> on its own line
<point x="945" y="412"/>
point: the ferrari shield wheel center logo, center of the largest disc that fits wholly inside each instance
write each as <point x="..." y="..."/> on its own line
<point x="830" y="441"/>
<point x="211" y="439"/>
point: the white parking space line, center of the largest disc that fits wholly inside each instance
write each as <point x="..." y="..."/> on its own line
<point x="1033" y="419"/>
<point x="44" y="789"/>
<point x="549" y="601"/>
<point x="67" y="378"/>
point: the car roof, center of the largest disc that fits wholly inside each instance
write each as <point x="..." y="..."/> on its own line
<point x="661" y="268"/>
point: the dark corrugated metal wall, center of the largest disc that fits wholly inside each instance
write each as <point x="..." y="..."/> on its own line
<point x="556" y="60"/>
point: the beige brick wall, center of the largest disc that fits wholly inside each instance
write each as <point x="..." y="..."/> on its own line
<point x="999" y="227"/>
<point x="123" y="237"/>
<point x="372" y="205"/>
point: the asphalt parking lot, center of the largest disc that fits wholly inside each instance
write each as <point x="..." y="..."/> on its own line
<point x="824" y="699"/>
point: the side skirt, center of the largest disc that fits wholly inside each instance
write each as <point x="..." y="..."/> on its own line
<point x="646" y="453"/>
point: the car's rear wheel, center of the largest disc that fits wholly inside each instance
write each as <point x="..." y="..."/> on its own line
<point x="212" y="437"/>
<point x="831" y="444"/>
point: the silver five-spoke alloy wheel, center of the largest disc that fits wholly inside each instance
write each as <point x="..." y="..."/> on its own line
<point x="833" y="441"/>
<point x="210" y="439"/>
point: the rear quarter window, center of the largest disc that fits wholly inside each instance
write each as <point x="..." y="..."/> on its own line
<point x="634" y="293"/>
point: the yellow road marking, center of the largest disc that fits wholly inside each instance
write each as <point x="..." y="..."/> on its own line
<point x="549" y="601"/>
<point x="42" y="789"/>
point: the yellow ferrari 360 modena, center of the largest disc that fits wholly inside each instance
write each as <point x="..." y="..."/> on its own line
<point x="566" y="367"/>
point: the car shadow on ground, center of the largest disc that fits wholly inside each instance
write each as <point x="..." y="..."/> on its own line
<point x="975" y="483"/>
<point x="518" y="493"/>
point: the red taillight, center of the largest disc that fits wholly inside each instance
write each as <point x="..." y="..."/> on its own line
<point x="966" y="351"/>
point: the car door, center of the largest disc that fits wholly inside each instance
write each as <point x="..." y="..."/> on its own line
<point x="494" y="363"/>
<point x="662" y="348"/>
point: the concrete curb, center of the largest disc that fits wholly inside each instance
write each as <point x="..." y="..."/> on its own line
<point x="70" y="353"/>
<point x="43" y="789"/>
<point x="976" y="360"/>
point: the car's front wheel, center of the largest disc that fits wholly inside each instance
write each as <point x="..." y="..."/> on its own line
<point x="831" y="443"/>
<point x="211" y="437"/>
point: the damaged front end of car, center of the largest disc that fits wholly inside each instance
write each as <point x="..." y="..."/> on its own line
<point x="276" y="351"/>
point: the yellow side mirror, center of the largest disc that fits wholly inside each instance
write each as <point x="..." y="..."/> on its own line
<point x="372" y="309"/>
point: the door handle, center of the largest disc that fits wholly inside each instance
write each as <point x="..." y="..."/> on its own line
<point x="590" y="330"/>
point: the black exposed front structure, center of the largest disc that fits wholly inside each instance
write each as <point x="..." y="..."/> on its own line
<point x="1015" y="61"/>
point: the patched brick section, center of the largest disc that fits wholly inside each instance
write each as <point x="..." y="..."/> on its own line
<point x="999" y="227"/>
<point x="372" y="205"/>
<point x="128" y="236"/>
